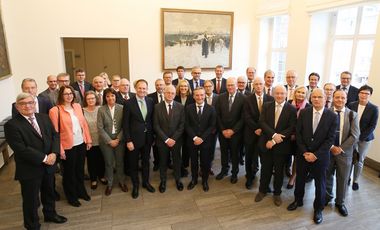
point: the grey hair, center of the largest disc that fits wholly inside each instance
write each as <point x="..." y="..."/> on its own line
<point x="22" y="96"/>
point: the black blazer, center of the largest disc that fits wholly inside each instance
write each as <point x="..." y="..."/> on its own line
<point x="29" y="147"/>
<point x="230" y="119"/>
<point x="202" y="127"/>
<point x="87" y="87"/>
<point x="252" y="115"/>
<point x="368" y="120"/>
<point x="214" y="99"/>
<point x="166" y="127"/>
<point x="286" y="125"/>
<point x="44" y="105"/>
<point x="154" y="97"/>
<point x="120" y="99"/>
<point x="135" y="128"/>
<point x="191" y="82"/>
<point x="189" y="100"/>
<point x="352" y="95"/>
<point x="223" y="86"/>
<point x="321" y="141"/>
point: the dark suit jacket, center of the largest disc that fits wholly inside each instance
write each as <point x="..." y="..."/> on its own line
<point x="120" y="99"/>
<point x="189" y="100"/>
<point x="30" y="149"/>
<point x="230" y="119"/>
<point x="352" y="95"/>
<point x="175" y="81"/>
<point x="368" y="120"/>
<point x="87" y="87"/>
<point x="44" y="105"/>
<point x="155" y="97"/>
<point x="223" y="87"/>
<point x="202" y="127"/>
<point x="214" y="99"/>
<point x="191" y="82"/>
<point x="246" y="92"/>
<point x="285" y="126"/>
<point x="252" y="115"/>
<point x="135" y="128"/>
<point x="321" y="141"/>
<point x="166" y="127"/>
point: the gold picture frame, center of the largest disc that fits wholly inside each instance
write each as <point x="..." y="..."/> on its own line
<point x="5" y="70"/>
<point x="196" y="38"/>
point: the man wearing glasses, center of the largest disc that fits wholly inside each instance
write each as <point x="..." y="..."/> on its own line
<point x="345" y="84"/>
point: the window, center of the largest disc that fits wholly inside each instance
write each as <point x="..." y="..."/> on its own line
<point x="273" y="44"/>
<point x="353" y="35"/>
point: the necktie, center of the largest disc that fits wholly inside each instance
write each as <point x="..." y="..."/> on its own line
<point x="277" y="114"/>
<point x="230" y="103"/>
<point x="344" y="88"/>
<point x="81" y="89"/>
<point x="268" y="91"/>
<point x="170" y="110"/>
<point x="260" y="104"/>
<point x="250" y="86"/>
<point x="31" y="120"/>
<point x="196" y="84"/>
<point x="327" y="104"/>
<point x="218" y="87"/>
<point x="316" y="121"/>
<point x="199" y="111"/>
<point x="143" y="109"/>
<point x="100" y="98"/>
<point x="161" y="97"/>
<point x="337" y="135"/>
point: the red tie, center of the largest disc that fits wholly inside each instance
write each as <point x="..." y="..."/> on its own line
<point x="218" y="86"/>
<point x="81" y="89"/>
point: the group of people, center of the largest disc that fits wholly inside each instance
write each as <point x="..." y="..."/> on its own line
<point x="306" y="131"/>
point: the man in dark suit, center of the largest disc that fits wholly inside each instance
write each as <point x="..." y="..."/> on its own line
<point x="277" y="121"/>
<point x="169" y="125"/>
<point x="181" y="75"/>
<point x="138" y="134"/>
<point x="167" y="76"/>
<point x="219" y="81"/>
<point x="368" y="114"/>
<point x="124" y="94"/>
<point x="229" y="110"/>
<point x="157" y="97"/>
<point x="268" y="82"/>
<point x="315" y="134"/>
<point x="291" y="79"/>
<point x="345" y="84"/>
<point x="200" y="126"/>
<point x="250" y="72"/>
<point x="51" y="93"/>
<point x="43" y="105"/>
<point x="313" y="84"/>
<point x="211" y="99"/>
<point x="81" y="85"/>
<point x="252" y="131"/>
<point x="36" y="148"/>
<point x="196" y="81"/>
<point x="329" y="89"/>
<point x="347" y="134"/>
<point x="242" y="86"/>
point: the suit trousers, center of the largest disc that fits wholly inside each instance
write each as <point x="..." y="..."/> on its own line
<point x="342" y="165"/>
<point x="30" y="191"/>
<point x="185" y="155"/>
<point x="164" y="152"/>
<point x="251" y="159"/>
<point x="134" y="156"/>
<point x="270" y="161"/>
<point x="230" y="147"/>
<point x="363" y="147"/>
<point x="95" y="163"/>
<point x="202" y="152"/>
<point x="114" y="157"/>
<point x="73" y="172"/>
<point x="318" y="170"/>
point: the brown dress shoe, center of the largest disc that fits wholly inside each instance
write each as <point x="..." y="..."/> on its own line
<point x="108" y="191"/>
<point x="123" y="187"/>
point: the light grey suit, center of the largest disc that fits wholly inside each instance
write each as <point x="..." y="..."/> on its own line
<point x="111" y="155"/>
<point x="342" y="163"/>
<point x="52" y="96"/>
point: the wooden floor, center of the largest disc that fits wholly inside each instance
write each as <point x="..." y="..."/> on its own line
<point x="225" y="206"/>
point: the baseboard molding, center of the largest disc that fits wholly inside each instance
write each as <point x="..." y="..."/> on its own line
<point x="372" y="164"/>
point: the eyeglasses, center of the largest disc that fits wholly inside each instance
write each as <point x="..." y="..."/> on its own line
<point x="26" y="103"/>
<point x="67" y="94"/>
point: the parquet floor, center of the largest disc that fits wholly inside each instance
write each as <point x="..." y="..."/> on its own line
<point x="225" y="206"/>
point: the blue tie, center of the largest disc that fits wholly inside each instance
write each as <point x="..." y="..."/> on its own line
<point x="337" y="134"/>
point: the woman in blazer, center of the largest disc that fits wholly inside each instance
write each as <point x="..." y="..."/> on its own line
<point x="110" y="117"/>
<point x="67" y="118"/>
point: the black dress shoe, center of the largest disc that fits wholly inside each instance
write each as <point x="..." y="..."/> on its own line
<point x="248" y="184"/>
<point x="234" y="179"/>
<point x="108" y="191"/>
<point x="318" y="218"/>
<point x="191" y="185"/>
<point x="342" y="209"/>
<point x="156" y="167"/>
<point x="289" y="186"/>
<point x="86" y="197"/>
<point x="94" y="185"/>
<point x="149" y="187"/>
<point x="355" y="186"/>
<point x="293" y="206"/>
<point x="103" y="181"/>
<point x="205" y="186"/>
<point x="179" y="185"/>
<point x="221" y="175"/>
<point x="56" y="219"/>
<point x="162" y="187"/>
<point x="75" y="203"/>
<point x="135" y="192"/>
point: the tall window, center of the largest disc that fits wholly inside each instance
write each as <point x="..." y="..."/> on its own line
<point x="353" y="35"/>
<point x="273" y="45"/>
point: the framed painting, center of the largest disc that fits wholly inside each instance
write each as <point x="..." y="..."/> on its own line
<point x="196" y="38"/>
<point x="5" y="69"/>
